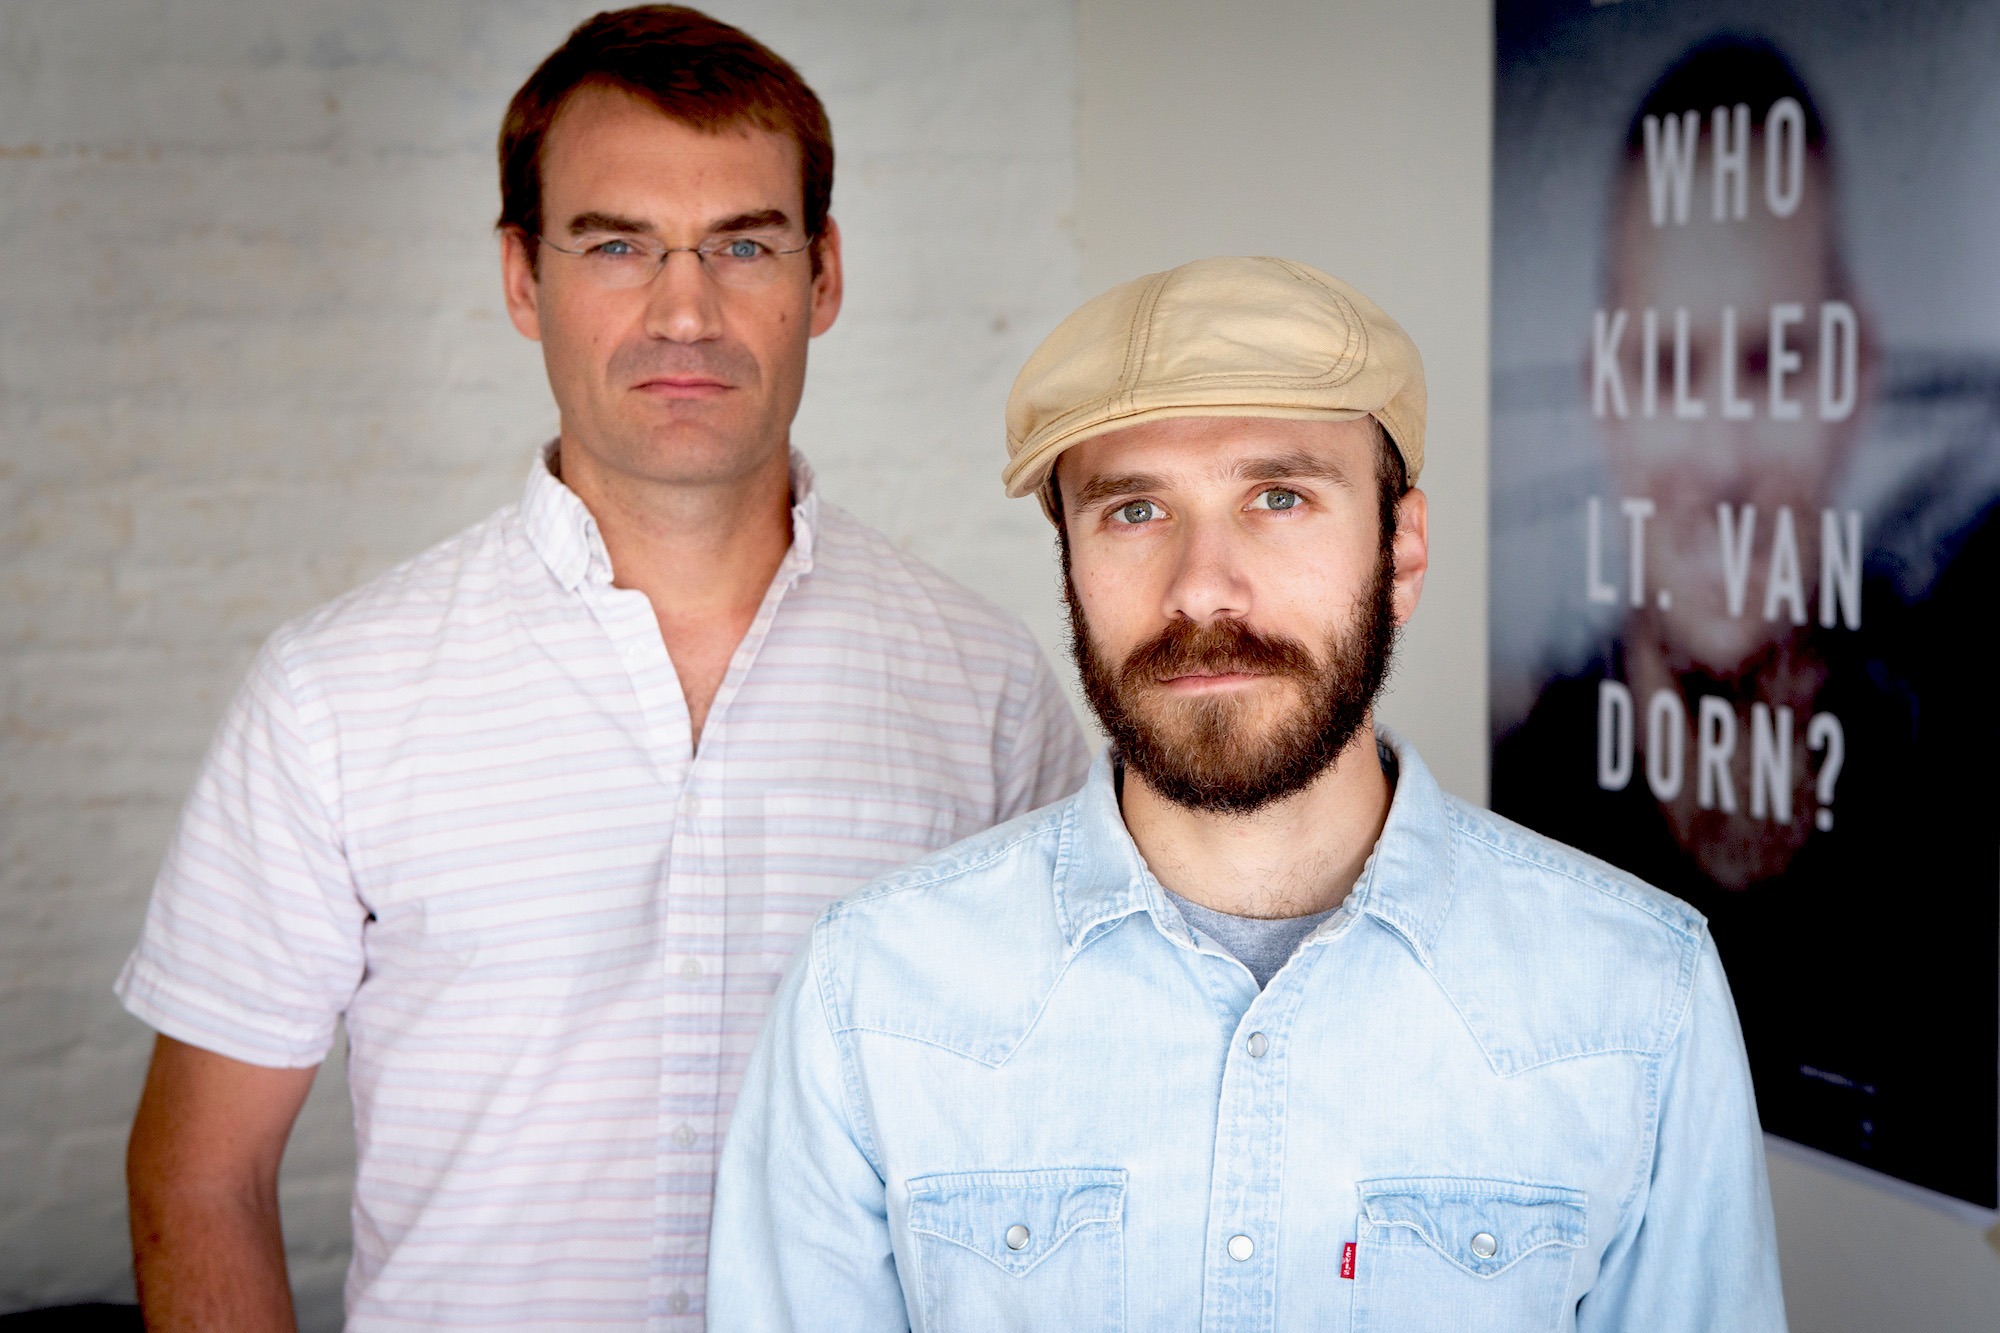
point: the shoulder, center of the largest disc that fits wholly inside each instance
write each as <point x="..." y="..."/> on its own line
<point x="403" y="614"/>
<point x="863" y="573"/>
<point x="958" y="950"/>
<point x="1564" y="876"/>
<point x="1554" y="954"/>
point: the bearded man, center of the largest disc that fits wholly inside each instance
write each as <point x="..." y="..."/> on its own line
<point x="1260" y="1029"/>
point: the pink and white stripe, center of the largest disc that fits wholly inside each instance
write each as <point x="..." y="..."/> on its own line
<point x="459" y="808"/>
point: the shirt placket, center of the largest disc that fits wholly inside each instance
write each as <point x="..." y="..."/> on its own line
<point x="1240" y="1277"/>
<point x="692" y="977"/>
<point x="690" y="1027"/>
<point x="693" y="915"/>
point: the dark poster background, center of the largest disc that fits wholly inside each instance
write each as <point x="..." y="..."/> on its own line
<point x="1746" y="459"/>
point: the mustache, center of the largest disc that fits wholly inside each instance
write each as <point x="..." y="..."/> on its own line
<point x="1184" y="648"/>
<point x="651" y="358"/>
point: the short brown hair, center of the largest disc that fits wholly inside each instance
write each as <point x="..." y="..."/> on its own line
<point x="698" y="70"/>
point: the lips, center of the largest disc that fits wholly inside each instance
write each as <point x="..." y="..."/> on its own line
<point x="683" y="386"/>
<point x="1198" y="679"/>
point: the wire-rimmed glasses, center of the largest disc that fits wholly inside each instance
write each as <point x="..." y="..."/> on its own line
<point x="621" y="262"/>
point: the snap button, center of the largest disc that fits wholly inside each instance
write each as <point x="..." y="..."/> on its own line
<point x="1017" y="1237"/>
<point x="1484" y="1245"/>
<point x="1258" y="1044"/>
<point x="1241" y="1248"/>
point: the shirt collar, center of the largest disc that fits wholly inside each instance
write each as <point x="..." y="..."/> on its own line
<point x="565" y="535"/>
<point x="1100" y="876"/>
<point x="1407" y="883"/>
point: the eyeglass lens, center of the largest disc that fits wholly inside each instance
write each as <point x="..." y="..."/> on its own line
<point x="626" y="261"/>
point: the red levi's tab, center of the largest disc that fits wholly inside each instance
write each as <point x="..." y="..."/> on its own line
<point x="1347" y="1261"/>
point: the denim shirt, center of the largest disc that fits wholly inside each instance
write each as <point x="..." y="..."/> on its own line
<point x="1502" y="1088"/>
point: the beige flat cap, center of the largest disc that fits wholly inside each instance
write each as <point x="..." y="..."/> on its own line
<point x="1215" y="338"/>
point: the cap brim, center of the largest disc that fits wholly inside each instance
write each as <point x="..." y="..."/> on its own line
<point x="1027" y="470"/>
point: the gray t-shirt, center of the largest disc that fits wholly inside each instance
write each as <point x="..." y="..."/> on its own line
<point x="1263" y="946"/>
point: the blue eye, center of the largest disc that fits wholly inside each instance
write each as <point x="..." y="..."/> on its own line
<point x="615" y="249"/>
<point x="1276" y="498"/>
<point x="737" y="249"/>
<point x="1138" y="511"/>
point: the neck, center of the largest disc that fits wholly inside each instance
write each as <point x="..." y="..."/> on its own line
<point x="1294" y="857"/>
<point x="703" y="553"/>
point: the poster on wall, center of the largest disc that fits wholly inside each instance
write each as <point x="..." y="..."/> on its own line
<point x="1746" y="523"/>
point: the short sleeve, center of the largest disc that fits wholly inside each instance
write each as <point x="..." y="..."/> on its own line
<point x="252" y="945"/>
<point x="1043" y="756"/>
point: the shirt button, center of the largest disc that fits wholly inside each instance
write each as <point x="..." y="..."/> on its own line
<point x="677" y="1303"/>
<point x="1017" y="1237"/>
<point x="1241" y="1248"/>
<point x="684" y="1136"/>
<point x="692" y="805"/>
<point x="690" y="968"/>
<point x="1258" y="1044"/>
<point x="1484" y="1245"/>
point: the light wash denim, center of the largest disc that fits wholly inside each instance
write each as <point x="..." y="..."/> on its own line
<point x="1006" y="1088"/>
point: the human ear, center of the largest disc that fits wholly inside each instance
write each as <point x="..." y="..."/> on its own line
<point x="519" y="285"/>
<point x="1411" y="549"/>
<point x="827" y="286"/>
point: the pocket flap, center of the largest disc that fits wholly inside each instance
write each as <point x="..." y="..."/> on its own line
<point x="1483" y="1226"/>
<point x="1016" y="1218"/>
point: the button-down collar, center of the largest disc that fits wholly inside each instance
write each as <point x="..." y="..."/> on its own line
<point x="567" y="538"/>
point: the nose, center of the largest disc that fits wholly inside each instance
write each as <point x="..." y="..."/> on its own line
<point x="1208" y="582"/>
<point x="1720" y="461"/>
<point x="681" y="303"/>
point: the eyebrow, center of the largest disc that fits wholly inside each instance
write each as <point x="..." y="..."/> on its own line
<point x="586" y="222"/>
<point x="1291" y="465"/>
<point x="756" y="220"/>
<point x="1098" y="489"/>
<point x="761" y="219"/>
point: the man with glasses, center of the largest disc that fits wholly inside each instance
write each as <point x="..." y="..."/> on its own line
<point x="542" y="813"/>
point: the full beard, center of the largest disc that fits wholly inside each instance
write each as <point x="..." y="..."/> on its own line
<point x="1203" y="753"/>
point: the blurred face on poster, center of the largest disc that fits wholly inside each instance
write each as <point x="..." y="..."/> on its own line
<point x="1704" y="428"/>
<point x="1727" y="372"/>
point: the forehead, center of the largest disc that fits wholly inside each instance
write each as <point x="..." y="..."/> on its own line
<point x="1192" y="451"/>
<point x="1704" y="264"/>
<point x="611" y="151"/>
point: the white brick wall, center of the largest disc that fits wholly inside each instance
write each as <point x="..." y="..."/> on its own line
<point x="252" y="352"/>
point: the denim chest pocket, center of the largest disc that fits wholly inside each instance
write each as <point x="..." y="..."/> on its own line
<point x="1020" y="1250"/>
<point x="1456" y="1255"/>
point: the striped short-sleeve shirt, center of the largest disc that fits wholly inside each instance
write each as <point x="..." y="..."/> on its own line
<point x="459" y="808"/>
